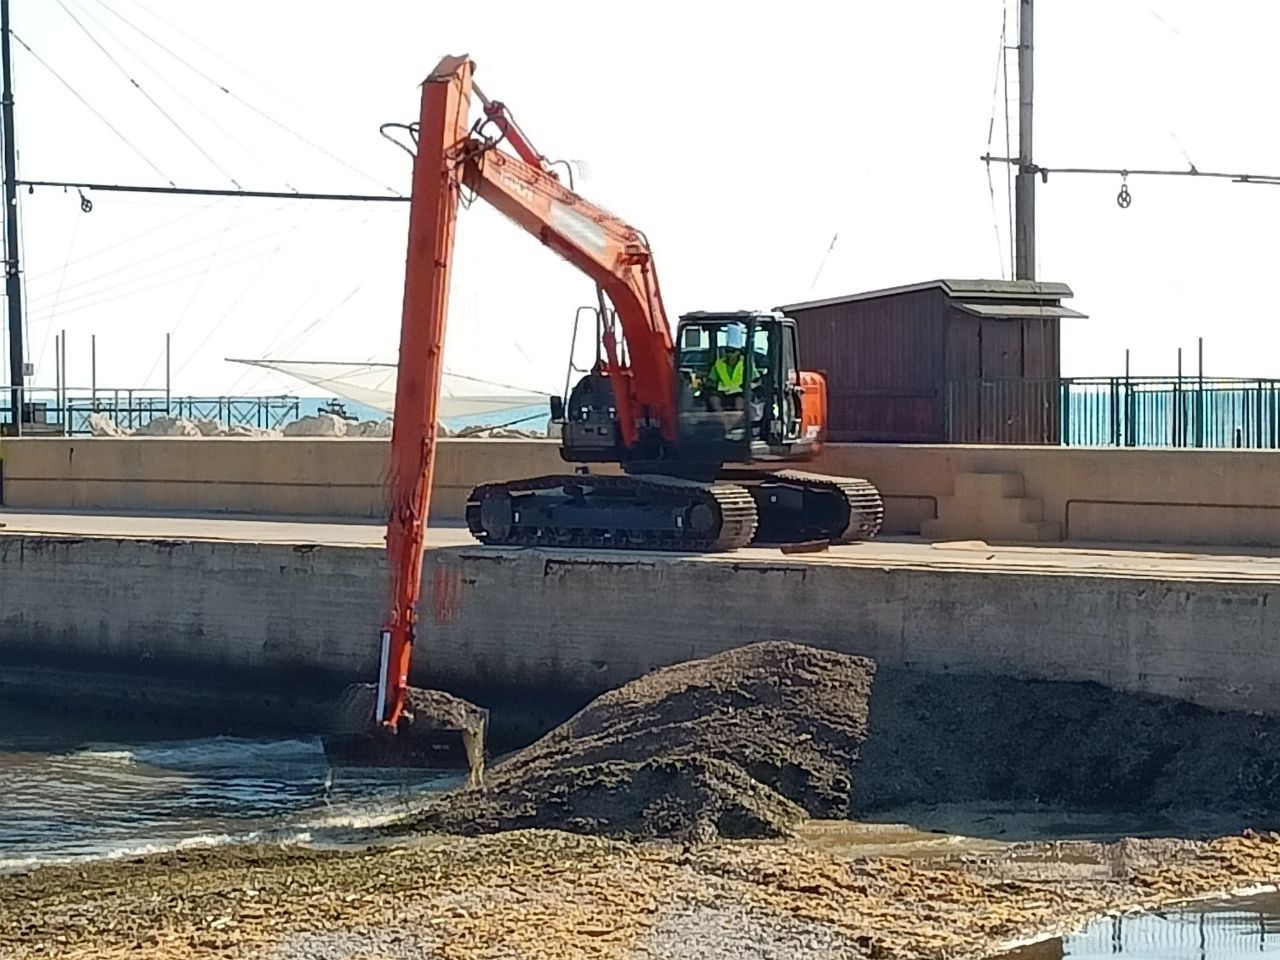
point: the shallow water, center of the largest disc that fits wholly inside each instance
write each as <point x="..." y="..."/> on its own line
<point x="1216" y="930"/>
<point x="86" y="790"/>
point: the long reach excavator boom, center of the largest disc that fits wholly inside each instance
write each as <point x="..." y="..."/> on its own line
<point x="452" y="157"/>
<point x="732" y="394"/>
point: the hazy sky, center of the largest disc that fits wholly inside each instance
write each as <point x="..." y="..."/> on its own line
<point x="739" y="136"/>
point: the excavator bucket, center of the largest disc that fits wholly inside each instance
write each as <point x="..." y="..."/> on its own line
<point x="436" y="730"/>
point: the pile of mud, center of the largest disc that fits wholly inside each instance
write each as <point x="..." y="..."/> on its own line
<point x="688" y="797"/>
<point x="743" y="744"/>
<point x="749" y="742"/>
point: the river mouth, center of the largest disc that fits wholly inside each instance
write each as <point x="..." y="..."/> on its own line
<point x="1224" y="929"/>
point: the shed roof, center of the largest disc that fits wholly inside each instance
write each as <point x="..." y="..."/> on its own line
<point x="1025" y="290"/>
<point x="1019" y="311"/>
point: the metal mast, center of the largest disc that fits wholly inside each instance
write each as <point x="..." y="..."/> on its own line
<point x="12" y="277"/>
<point x="1024" y="267"/>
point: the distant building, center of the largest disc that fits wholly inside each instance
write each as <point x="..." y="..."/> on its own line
<point x="946" y="361"/>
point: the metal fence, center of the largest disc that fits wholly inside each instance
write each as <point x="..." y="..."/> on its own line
<point x="59" y="412"/>
<point x="1117" y="411"/>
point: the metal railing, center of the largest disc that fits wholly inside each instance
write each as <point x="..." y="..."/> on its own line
<point x="56" y="411"/>
<point x="1116" y="411"/>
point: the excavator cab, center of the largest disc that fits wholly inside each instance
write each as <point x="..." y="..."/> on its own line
<point x="742" y="396"/>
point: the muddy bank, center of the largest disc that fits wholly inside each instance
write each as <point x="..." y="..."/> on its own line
<point x="555" y="895"/>
<point x="746" y="743"/>
<point x="935" y="739"/>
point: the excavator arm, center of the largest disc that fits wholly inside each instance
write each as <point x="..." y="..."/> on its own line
<point x="442" y="130"/>
<point x="453" y="158"/>
<point x="614" y="255"/>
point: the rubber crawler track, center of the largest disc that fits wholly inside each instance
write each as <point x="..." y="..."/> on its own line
<point x="866" y="507"/>
<point x="731" y="504"/>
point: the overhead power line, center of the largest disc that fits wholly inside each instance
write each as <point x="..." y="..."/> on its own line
<point x="114" y="247"/>
<point x="230" y="93"/>
<point x="1124" y="198"/>
<point x="238" y="141"/>
<point x="150" y="99"/>
<point x="91" y="108"/>
<point x="120" y="276"/>
<point x="212" y="192"/>
<point x="1044" y="171"/>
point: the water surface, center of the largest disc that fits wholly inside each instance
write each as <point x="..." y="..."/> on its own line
<point x="1235" y="929"/>
<point x="73" y="790"/>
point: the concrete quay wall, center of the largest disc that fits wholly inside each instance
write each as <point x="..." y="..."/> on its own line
<point x="234" y="627"/>
<point x="1224" y="497"/>
<point x="335" y="478"/>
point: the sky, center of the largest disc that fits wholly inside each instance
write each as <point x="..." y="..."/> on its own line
<point x="740" y="137"/>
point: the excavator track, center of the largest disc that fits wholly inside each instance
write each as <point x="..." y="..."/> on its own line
<point x="795" y="506"/>
<point x="614" y="513"/>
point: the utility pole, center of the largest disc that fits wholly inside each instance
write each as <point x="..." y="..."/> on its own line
<point x="12" y="278"/>
<point x="1024" y="267"/>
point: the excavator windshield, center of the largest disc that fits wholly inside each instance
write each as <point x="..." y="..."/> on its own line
<point x="714" y="359"/>
<point x="721" y="362"/>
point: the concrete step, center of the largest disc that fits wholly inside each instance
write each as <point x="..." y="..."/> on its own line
<point x="1003" y="510"/>
<point x="1042" y="531"/>
<point x="1030" y="509"/>
<point x="988" y="486"/>
<point x="992" y="507"/>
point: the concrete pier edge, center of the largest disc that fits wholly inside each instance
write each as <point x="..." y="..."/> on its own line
<point x="236" y="630"/>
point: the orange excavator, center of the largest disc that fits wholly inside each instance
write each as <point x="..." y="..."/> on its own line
<point x="700" y="425"/>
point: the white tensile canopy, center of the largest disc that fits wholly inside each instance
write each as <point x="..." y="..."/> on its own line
<point x="374" y="385"/>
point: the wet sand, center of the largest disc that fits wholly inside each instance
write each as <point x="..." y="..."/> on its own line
<point x="839" y="890"/>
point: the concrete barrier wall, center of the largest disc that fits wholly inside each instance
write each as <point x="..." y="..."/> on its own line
<point x="534" y="634"/>
<point x="1227" y="497"/>
<point x="303" y="477"/>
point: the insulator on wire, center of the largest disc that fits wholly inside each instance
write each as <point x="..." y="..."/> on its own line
<point x="1124" y="198"/>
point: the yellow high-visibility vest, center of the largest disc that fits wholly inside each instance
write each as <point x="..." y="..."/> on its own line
<point x="728" y="380"/>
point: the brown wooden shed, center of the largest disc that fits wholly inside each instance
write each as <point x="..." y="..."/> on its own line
<point x="947" y="361"/>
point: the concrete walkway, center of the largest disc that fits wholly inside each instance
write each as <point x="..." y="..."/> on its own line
<point x="1189" y="563"/>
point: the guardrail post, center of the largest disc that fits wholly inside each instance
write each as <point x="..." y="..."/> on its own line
<point x="1066" y="412"/>
<point x="1256" y="442"/>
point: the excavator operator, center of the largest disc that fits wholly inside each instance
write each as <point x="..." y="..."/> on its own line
<point x="724" y="380"/>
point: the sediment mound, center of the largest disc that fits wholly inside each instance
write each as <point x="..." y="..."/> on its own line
<point x="791" y="717"/>
<point x="747" y="742"/>
<point x="744" y="743"/>
<point x="681" y="797"/>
